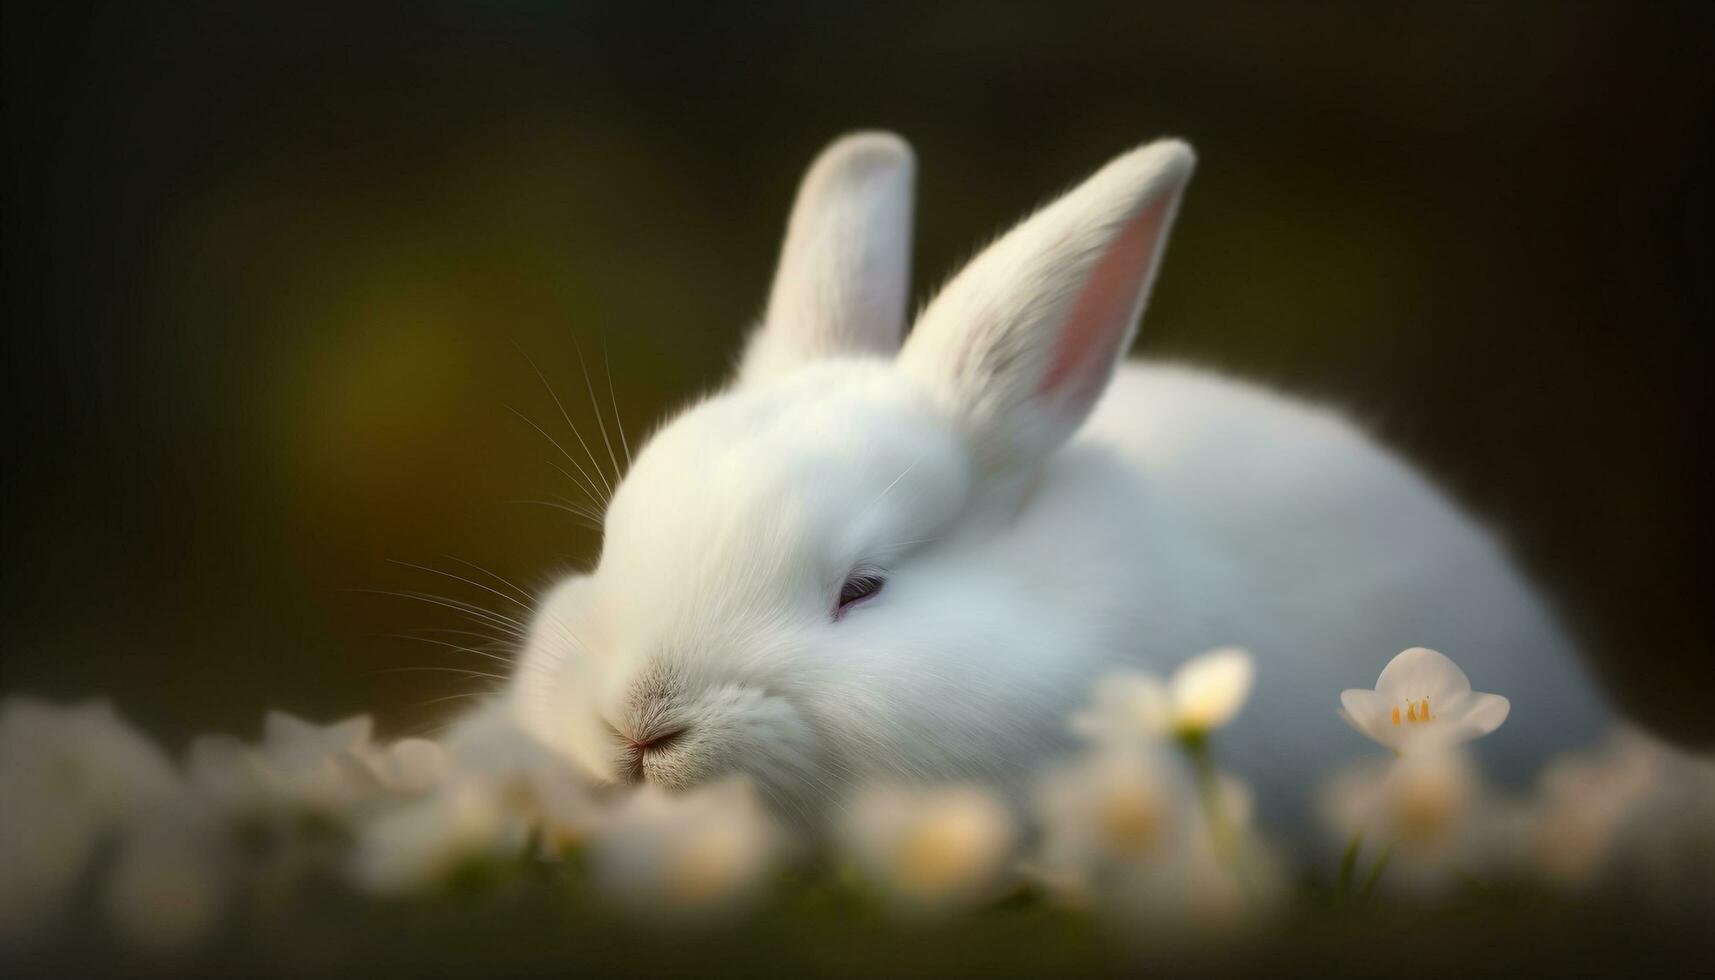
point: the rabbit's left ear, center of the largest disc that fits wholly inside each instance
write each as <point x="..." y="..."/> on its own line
<point x="840" y="288"/>
<point x="1021" y="344"/>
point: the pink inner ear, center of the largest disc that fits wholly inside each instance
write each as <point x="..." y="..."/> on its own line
<point x="1102" y="313"/>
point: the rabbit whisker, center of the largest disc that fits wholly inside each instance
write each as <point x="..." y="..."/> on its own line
<point x="596" y="407"/>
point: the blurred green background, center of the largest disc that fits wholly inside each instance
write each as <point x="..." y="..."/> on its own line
<point x="268" y="274"/>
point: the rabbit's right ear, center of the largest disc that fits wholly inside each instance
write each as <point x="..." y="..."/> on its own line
<point x="841" y="284"/>
<point x="1022" y="343"/>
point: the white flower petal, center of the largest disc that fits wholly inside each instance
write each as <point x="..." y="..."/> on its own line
<point x="696" y="854"/>
<point x="293" y="743"/>
<point x="1422" y="701"/>
<point x="1428" y="799"/>
<point x="1114" y="804"/>
<point x="419" y="845"/>
<point x="230" y="774"/>
<point x="412" y="765"/>
<point x="1420" y="673"/>
<point x="1140" y="699"/>
<point x="1484" y="713"/>
<point x="1209" y="690"/>
<point x="1128" y="706"/>
<point x="1366" y="712"/>
<point x="929" y="850"/>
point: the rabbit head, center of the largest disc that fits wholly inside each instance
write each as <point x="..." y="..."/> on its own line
<point x="784" y="588"/>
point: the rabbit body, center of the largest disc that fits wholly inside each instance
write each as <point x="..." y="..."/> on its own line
<point x="855" y="564"/>
<point x="1298" y="537"/>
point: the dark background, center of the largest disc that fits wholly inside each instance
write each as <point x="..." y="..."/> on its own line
<point x="267" y="277"/>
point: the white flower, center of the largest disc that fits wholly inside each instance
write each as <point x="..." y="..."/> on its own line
<point x="1580" y="802"/>
<point x="929" y="850"/>
<point x="423" y="843"/>
<point x="166" y="888"/>
<point x="1425" y="815"/>
<point x="487" y="744"/>
<point x="558" y="804"/>
<point x="85" y="753"/>
<point x="69" y="777"/>
<point x="1635" y="816"/>
<point x="489" y="740"/>
<point x="410" y="766"/>
<point x="693" y="855"/>
<point x="1422" y="697"/>
<point x="562" y="807"/>
<point x="1110" y="806"/>
<point x="1205" y="693"/>
<point x="1664" y="847"/>
<point x="1125" y="836"/>
<point x="297" y="765"/>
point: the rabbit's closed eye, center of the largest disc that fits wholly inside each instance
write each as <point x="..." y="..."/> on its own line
<point x="860" y="586"/>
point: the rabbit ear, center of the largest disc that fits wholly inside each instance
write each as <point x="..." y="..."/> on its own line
<point x="841" y="284"/>
<point x="1023" y="341"/>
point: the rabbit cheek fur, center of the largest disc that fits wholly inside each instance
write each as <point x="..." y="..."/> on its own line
<point x="711" y="614"/>
<point x="1038" y="514"/>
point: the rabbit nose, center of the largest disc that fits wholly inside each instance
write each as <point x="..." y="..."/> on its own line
<point x="655" y="741"/>
<point x="638" y="747"/>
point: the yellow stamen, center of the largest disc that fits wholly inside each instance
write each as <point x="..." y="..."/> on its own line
<point x="1396" y="714"/>
<point x="1410" y="711"/>
<point x="1425" y="709"/>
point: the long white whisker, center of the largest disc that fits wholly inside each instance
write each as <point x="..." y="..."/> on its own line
<point x="473" y="566"/>
<point x="448" y="631"/>
<point x="460" y="578"/>
<point x="567" y="416"/>
<point x="614" y="399"/>
<point x="454" y="697"/>
<point x="588" y="484"/>
<point x="444" y="670"/>
<point x="455" y="646"/>
<point x="582" y="516"/>
<point x="584" y="509"/>
<point x="464" y="605"/>
<point x="487" y="617"/>
<point x="596" y="407"/>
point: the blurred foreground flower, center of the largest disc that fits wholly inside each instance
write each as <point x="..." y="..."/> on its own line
<point x="1422" y="697"/>
<point x="1123" y="837"/>
<point x="326" y="770"/>
<point x="169" y="885"/>
<point x="699" y="854"/>
<point x="69" y="779"/>
<point x="1142" y="830"/>
<point x="1425" y="818"/>
<point x="428" y="842"/>
<point x="929" y="850"/>
<point x="1634" y="816"/>
<point x="1580" y="803"/>
<point x="533" y="782"/>
<point x="1204" y="694"/>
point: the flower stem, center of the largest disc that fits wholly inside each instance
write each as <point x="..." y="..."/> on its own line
<point x="1196" y="746"/>
<point x="1375" y="873"/>
<point x="1348" y="867"/>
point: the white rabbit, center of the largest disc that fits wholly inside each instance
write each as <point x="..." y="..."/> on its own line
<point x="866" y="560"/>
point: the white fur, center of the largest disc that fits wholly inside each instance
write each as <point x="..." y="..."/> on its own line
<point x="842" y="281"/>
<point x="1189" y="511"/>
